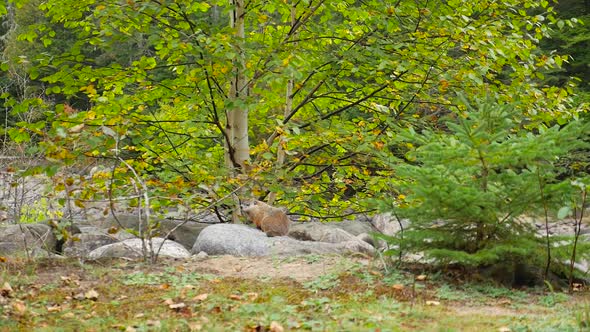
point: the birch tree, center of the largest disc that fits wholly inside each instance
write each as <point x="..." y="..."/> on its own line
<point x="300" y="98"/>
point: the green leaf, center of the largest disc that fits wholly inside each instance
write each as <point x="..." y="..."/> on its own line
<point x="564" y="212"/>
<point x="560" y="24"/>
<point x="19" y="135"/>
<point x="34" y="73"/>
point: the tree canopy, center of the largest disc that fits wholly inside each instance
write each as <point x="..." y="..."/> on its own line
<point x="299" y="100"/>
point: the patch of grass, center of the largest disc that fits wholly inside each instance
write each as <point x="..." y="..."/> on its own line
<point x="493" y="291"/>
<point x="167" y="277"/>
<point x="312" y="258"/>
<point x="582" y="315"/>
<point x="322" y="283"/>
<point x="395" y="277"/>
<point x="450" y="293"/>
<point x="553" y="299"/>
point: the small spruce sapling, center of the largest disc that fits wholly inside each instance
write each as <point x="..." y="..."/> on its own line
<point x="469" y="186"/>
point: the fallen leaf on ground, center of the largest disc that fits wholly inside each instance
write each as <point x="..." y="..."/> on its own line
<point x="276" y="327"/>
<point x="19" y="307"/>
<point x="201" y="297"/>
<point x="91" y="295"/>
<point x="6" y="290"/>
<point x="235" y="297"/>
<point x="421" y="277"/>
<point x="433" y="303"/>
<point x="177" y="306"/>
<point x="398" y="287"/>
<point x="70" y="280"/>
<point x="54" y="308"/>
<point x="376" y="273"/>
<point x="504" y="329"/>
<point x="195" y="326"/>
<point x="90" y="315"/>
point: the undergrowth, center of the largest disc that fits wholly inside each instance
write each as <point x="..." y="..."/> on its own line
<point x="119" y="295"/>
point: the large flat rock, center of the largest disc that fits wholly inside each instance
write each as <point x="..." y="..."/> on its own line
<point x="241" y="240"/>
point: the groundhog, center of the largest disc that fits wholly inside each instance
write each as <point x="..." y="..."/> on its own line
<point x="271" y="220"/>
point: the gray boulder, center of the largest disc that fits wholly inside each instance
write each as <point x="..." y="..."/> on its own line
<point x="241" y="240"/>
<point x="388" y="224"/>
<point x="333" y="233"/>
<point x="82" y="244"/>
<point x="320" y="232"/>
<point x="354" y="227"/>
<point x="185" y="233"/>
<point x="232" y="239"/>
<point x="132" y="248"/>
<point x="21" y="237"/>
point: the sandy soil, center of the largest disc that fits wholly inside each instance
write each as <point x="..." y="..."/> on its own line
<point x="302" y="268"/>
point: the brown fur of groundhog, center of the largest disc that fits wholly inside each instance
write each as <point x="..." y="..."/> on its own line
<point x="271" y="220"/>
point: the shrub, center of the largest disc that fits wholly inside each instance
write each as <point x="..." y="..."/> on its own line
<point x="467" y="188"/>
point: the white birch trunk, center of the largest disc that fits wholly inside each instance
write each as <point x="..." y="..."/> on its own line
<point x="238" y="147"/>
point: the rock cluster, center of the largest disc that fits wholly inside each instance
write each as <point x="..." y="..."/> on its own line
<point x="114" y="237"/>
<point x="99" y="237"/>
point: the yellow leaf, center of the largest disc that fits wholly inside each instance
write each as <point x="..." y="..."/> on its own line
<point x="77" y="128"/>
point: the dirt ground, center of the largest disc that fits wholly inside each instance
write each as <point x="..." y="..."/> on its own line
<point x="301" y="269"/>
